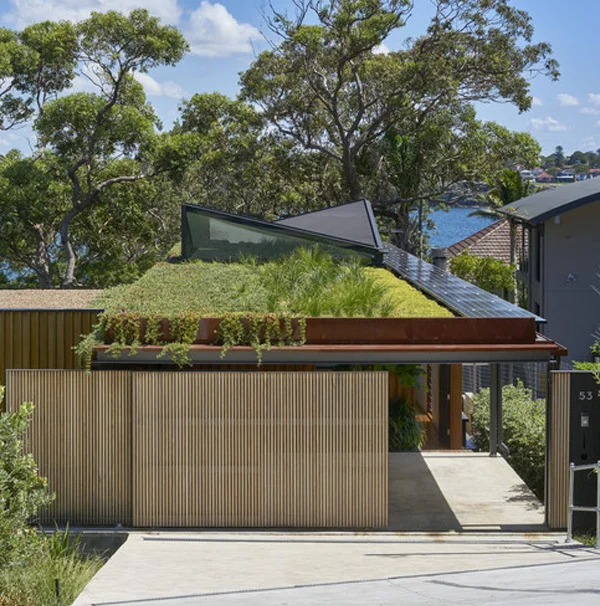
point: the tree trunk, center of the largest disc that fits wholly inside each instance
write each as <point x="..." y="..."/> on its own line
<point x="43" y="266"/>
<point x="350" y="176"/>
<point x="44" y="277"/>
<point x="70" y="256"/>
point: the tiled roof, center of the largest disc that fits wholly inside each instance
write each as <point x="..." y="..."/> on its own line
<point x="491" y="241"/>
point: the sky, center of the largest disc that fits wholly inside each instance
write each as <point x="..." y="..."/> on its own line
<point x="226" y="35"/>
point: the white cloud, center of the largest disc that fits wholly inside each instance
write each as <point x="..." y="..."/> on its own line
<point x="536" y="101"/>
<point x="214" y="32"/>
<point x="25" y="12"/>
<point x="565" y="100"/>
<point x="590" y="111"/>
<point x="382" y="49"/>
<point x="158" y="89"/>
<point x="549" y="124"/>
<point x="594" y="98"/>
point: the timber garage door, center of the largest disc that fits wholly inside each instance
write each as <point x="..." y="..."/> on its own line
<point x="260" y="449"/>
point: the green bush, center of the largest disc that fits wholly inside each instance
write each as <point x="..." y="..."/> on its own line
<point x="30" y="563"/>
<point x="405" y="432"/>
<point x="22" y="491"/>
<point x="33" y="583"/>
<point x="524" y="431"/>
<point x="488" y="273"/>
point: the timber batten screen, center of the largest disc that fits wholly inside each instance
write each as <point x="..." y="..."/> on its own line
<point x="214" y="449"/>
<point x="80" y="437"/>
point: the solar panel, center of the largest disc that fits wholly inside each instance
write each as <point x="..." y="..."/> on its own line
<point x="461" y="297"/>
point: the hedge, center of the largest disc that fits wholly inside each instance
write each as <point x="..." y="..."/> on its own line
<point x="524" y="431"/>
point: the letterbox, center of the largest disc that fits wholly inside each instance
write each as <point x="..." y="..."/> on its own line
<point x="584" y="446"/>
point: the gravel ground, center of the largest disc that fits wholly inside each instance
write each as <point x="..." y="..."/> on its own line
<point x="47" y="299"/>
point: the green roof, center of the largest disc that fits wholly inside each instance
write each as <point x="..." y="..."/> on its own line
<point x="305" y="284"/>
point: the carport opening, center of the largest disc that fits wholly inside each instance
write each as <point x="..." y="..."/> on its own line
<point x="442" y="479"/>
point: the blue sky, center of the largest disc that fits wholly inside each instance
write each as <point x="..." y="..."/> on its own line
<point x="225" y="36"/>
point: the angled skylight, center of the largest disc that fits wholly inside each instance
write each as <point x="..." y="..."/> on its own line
<point x="213" y="235"/>
<point x="353" y="221"/>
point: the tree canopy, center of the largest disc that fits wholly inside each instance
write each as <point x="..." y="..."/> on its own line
<point x="88" y="142"/>
<point x="323" y="116"/>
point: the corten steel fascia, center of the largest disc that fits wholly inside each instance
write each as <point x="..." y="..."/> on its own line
<point x="391" y="331"/>
<point x="551" y="348"/>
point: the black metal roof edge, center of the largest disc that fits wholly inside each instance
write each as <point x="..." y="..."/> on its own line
<point x="444" y="301"/>
<point x="282" y="228"/>
<point x="513" y="213"/>
<point x="373" y="223"/>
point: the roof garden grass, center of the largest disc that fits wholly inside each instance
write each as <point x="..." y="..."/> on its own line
<point x="307" y="283"/>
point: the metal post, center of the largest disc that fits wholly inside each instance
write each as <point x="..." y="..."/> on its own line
<point x="495" y="409"/>
<point x="598" y="505"/>
<point x="570" y="515"/>
<point x="551" y="366"/>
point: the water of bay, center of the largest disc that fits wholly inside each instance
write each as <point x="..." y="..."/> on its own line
<point x="454" y="225"/>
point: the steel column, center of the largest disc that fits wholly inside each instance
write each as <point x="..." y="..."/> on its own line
<point x="495" y="409"/>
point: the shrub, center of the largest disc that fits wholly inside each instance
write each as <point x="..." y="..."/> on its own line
<point x="524" y="431"/>
<point x="22" y="491"/>
<point x="488" y="273"/>
<point x="405" y="432"/>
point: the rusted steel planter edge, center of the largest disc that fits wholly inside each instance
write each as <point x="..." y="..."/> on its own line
<point x="416" y="331"/>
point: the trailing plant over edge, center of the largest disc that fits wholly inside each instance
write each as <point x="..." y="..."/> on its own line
<point x="175" y="335"/>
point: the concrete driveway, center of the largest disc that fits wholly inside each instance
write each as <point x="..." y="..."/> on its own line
<point x="346" y="568"/>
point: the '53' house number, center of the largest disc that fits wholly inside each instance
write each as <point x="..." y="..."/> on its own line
<point x="587" y="395"/>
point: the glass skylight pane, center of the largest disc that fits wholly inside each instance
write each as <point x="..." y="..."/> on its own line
<point x="218" y="237"/>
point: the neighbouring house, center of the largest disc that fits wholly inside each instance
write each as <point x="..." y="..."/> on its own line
<point x="559" y="273"/>
<point x="213" y="402"/>
<point x="565" y="176"/>
<point x="494" y="241"/>
<point x="544" y="178"/>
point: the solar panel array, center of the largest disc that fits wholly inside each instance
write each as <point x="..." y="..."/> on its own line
<point x="461" y="297"/>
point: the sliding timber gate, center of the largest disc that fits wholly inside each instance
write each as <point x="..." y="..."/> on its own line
<point x="210" y="449"/>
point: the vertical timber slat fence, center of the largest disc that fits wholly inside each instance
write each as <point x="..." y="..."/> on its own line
<point x="558" y="477"/>
<point x="192" y="449"/>
<point x="80" y="437"/>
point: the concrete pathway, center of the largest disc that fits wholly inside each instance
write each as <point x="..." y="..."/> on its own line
<point x="437" y="491"/>
<point x="345" y="568"/>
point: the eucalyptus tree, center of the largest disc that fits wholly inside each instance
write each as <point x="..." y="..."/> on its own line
<point x="62" y="204"/>
<point x="87" y="131"/>
<point x="325" y="85"/>
<point x="35" y="65"/>
<point x="244" y="166"/>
